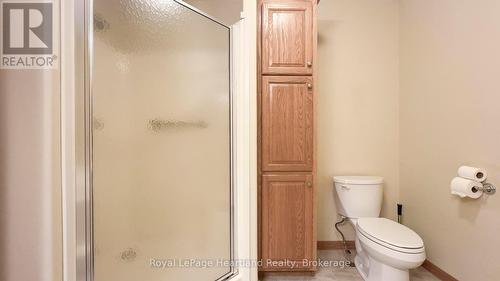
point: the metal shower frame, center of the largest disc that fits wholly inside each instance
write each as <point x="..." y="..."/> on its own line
<point x="84" y="101"/>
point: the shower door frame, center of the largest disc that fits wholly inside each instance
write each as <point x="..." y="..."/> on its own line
<point x="84" y="255"/>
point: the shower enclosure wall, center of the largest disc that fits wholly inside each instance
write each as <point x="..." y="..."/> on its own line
<point x="162" y="151"/>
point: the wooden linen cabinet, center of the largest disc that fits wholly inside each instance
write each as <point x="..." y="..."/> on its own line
<point x="286" y="105"/>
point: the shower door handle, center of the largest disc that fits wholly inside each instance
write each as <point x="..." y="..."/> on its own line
<point x="158" y="124"/>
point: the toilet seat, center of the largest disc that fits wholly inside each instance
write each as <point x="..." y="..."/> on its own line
<point x="391" y="235"/>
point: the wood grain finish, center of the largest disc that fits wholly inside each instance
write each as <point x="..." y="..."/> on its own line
<point x="286" y="132"/>
<point x="287" y="219"/>
<point x="287" y="123"/>
<point x="287" y="43"/>
<point x="438" y="272"/>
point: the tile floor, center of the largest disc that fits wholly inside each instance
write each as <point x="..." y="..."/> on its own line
<point x="341" y="273"/>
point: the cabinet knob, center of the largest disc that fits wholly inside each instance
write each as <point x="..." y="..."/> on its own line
<point x="309" y="184"/>
<point x="309" y="64"/>
<point x="309" y="86"/>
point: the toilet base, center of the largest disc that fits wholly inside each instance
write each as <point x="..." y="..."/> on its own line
<point x="373" y="270"/>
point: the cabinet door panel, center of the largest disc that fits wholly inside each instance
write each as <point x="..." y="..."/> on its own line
<point x="287" y="123"/>
<point x="287" y="221"/>
<point x="287" y="29"/>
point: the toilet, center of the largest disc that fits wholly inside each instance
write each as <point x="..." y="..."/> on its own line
<point x="385" y="250"/>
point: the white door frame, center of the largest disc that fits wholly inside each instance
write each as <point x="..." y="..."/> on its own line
<point x="246" y="149"/>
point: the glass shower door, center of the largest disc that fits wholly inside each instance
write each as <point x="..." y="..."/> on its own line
<point x="161" y="143"/>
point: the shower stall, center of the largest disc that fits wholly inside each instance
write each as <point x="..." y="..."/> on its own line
<point x="164" y="164"/>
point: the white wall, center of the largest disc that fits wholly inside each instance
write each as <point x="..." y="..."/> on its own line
<point x="450" y="97"/>
<point x="357" y="100"/>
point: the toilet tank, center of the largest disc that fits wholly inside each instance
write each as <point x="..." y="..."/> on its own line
<point x="358" y="196"/>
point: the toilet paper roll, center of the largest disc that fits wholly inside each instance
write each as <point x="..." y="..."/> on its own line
<point x="466" y="188"/>
<point x="472" y="173"/>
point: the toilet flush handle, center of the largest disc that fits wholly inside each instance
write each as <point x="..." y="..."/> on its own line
<point x="345" y="187"/>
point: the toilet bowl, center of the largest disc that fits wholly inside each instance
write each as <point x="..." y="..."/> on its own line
<point x="385" y="250"/>
<point x="391" y="249"/>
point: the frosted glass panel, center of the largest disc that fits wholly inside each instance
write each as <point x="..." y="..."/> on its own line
<point x="161" y="142"/>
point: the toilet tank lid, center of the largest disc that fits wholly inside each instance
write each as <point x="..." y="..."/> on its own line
<point x="358" y="179"/>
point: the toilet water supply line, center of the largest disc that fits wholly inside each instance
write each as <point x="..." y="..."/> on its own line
<point x="347" y="252"/>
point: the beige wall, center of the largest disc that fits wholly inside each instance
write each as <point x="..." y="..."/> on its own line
<point x="450" y="97"/>
<point x="227" y="11"/>
<point x="30" y="190"/>
<point x="30" y="185"/>
<point x="444" y="115"/>
<point x="357" y="100"/>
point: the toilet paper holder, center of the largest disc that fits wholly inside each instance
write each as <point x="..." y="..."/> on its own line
<point x="487" y="188"/>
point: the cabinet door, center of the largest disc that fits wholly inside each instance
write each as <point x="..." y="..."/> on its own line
<point x="287" y="221"/>
<point x="287" y="43"/>
<point x="287" y="123"/>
